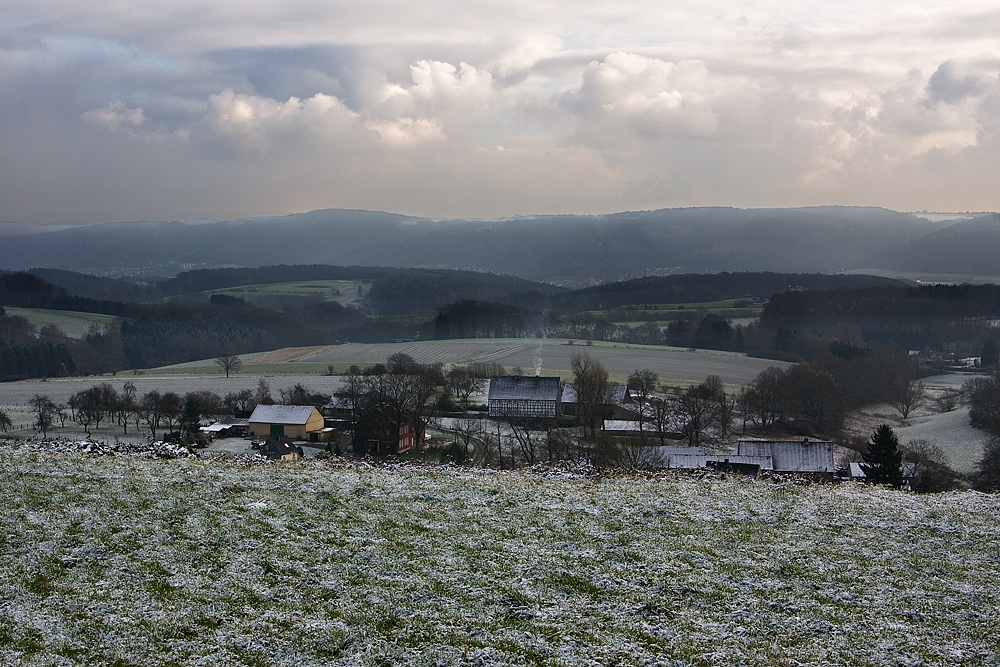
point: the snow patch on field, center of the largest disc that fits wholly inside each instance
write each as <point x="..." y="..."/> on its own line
<point x="119" y="559"/>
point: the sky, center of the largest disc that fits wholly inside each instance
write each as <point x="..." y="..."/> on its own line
<point x="151" y="110"/>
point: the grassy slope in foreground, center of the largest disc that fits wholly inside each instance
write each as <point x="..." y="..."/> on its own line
<point x="127" y="561"/>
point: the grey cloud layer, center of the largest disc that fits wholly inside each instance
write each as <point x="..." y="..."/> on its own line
<point x="118" y="110"/>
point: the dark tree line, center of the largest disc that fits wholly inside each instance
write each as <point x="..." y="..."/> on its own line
<point x="481" y="319"/>
<point x="398" y="393"/>
<point x="911" y="317"/>
<point x="38" y="359"/>
<point x="699" y="288"/>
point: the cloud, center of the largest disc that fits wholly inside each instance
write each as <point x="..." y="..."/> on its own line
<point x="949" y="85"/>
<point x="454" y="109"/>
<point x="251" y="124"/>
<point x="117" y="117"/>
<point x="406" y="132"/>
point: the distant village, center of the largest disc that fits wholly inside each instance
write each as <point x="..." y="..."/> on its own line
<point x="519" y="408"/>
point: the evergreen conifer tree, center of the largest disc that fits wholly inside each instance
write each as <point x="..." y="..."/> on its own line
<point x="883" y="461"/>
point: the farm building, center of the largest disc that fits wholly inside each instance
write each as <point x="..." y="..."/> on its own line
<point x="811" y="456"/>
<point x="302" y="422"/>
<point x="750" y="457"/>
<point x="378" y="435"/>
<point x="521" y="397"/>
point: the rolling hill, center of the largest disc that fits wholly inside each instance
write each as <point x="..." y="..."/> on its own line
<point x="573" y="250"/>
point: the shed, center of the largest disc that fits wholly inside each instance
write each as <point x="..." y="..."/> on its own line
<point x="225" y="429"/>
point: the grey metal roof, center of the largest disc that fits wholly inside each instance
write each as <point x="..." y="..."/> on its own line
<point x="668" y="456"/>
<point x="791" y="455"/>
<point x="524" y="388"/>
<point x="281" y="414"/>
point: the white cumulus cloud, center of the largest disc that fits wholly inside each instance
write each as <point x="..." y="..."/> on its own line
<point x="117" y="117"/>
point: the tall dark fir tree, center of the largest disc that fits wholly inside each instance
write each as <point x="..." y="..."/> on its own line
<point x="883" y="461"/>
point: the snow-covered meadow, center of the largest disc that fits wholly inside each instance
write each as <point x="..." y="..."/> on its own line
<point x="119" y="559"/>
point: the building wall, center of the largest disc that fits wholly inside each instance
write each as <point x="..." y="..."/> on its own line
<point x="522" y="408"/>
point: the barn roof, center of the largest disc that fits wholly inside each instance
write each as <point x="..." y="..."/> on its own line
<point x="524" y="388"/>
<point x="791" y="455"/>
<point x="281" y="414"/>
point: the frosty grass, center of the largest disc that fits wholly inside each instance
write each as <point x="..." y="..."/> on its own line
<point x="125" y="560"/>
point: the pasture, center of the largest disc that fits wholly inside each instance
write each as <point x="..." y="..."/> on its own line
<point x="552" y="357"/>
<point x="73" y="324"/>
<point x="663" y="314"/>
<point x="344" y="292"/>
<point x="547" y="356"/>
<point x="310" y="366"/>
<point x="951" y="431"/>
<point x="125" y="561"/>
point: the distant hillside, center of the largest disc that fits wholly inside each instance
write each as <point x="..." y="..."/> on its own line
<point x="563" y="249"/>
<point x="693" y="288"/>
<point x="967" y="247"/>
<point x="93" y="287"/>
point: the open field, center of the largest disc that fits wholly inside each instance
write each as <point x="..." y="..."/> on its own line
<point x="116" y="560"/>
<point x="664" y="313"/>
<point x="951" y="431"/>
<point x="923" y="277"/>
<point x="344" y="292"/>
<point x="72" y="323"/>
<point x="310" y="365"/>
<point x="552" y="357"/>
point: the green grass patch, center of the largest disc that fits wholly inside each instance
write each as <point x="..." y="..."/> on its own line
<point x="344" y="292"/>
<point x="116" y="559"/>
<point x="73" y="324"/>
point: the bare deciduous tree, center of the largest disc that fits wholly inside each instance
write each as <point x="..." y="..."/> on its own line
<point x="908" y="397"/>
<point x="463" y="382"/>
<point x="229" y="363"/>
<point x="643" y="383"/>
<point x="45" y="413"/>
<point x="592" y="391"/>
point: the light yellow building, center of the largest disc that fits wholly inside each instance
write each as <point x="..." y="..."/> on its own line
<point x="298" y="422"/>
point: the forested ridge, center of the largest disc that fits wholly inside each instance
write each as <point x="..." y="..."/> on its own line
<point x="801" y="321"/>
<point x="697" y="287"/>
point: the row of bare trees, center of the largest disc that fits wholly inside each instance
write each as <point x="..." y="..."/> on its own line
<point x="156" y="410"/>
